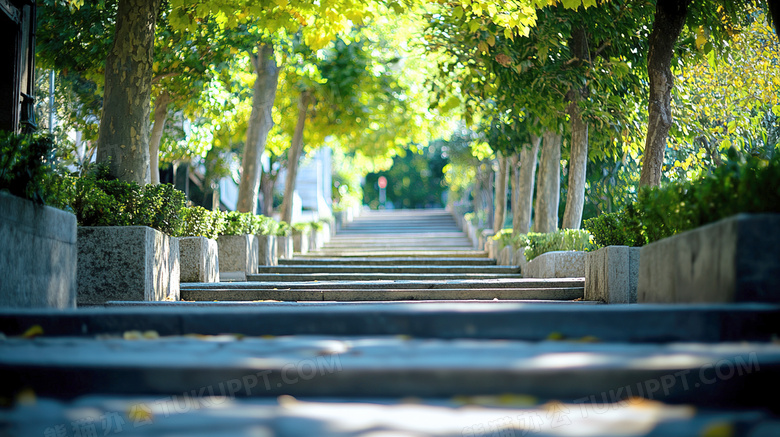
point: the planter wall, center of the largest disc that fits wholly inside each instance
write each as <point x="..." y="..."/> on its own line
<point x="736" y="259"/>
<point x="266" y="250"/>
<point x="132" y="263"/>
<point x="237" y="256"/>
<point x="37" y="255"/>
<point x="506" y="256"/>
<point x="301" y="243"/>
<point x="558" y="264"/>
<point x="484" y="236"/>
<point x="199" y="259"/>
<point x="612" y="274"/>
<point x="284" y="247"/>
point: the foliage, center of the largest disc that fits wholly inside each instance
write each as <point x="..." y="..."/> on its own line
<point x="97" y="201"/>
<point x="301" y="228"/>
<point x="284" y="229"/>
<point x="200" y="222"/>
<point x="564" y="239"/>
<point x="616" y="229"/>
<point x="241" y="223"/>
<point x="26" y="161"/>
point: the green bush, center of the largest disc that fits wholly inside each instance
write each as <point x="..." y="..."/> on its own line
<point x="616" y="229"/>
<point x="564" y="239"/>
<point x="301" y="228"/>
<point x="99" y="202"/>
<point x="317" y="225"/>
<point x="200" y="222"/>
<point x="238" y="223"/>
<point x="268" y="226"/>
<point x="738" y="186"/>
<point x="284" y="229"/>
<point x="26" y="161"/>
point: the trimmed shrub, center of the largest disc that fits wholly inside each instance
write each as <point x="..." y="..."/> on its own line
<point x="26" y="162"/>
<point x="200" y="222"/>
<point x="564" y="239"/>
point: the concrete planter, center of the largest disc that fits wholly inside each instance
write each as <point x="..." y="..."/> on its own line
<point x="38" y="255"/>
<point x="132" y="263"/>
<point x="199" y="259"/>
<point x="519" y="259"/>
<point x="301" y="243"/>
<point x="558" y="264"/>
<point x="736" y="259"/>
<point x="612" y="274"/>
<point x="316" y="239"/>
<point x="506" y="256"/>
<point x="266" y="248"/>
<point x="471" y="231"/>
<point x="237" y="256"/>
<point x="327" y="232"/>
<point x="339" y="220"/>
<point x="284" y="247"/>
<point x="484" y="236"/>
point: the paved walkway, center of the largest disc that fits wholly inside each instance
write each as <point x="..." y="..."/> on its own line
<point x="353" y="360"/>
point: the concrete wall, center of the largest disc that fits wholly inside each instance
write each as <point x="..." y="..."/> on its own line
<point x="558" y="264"/>
<point x="38" y="255"/>
<point x="199" y="259"/>
<point x="266" y="250"/>
<point x="237" y="256"/>
<point x="611" y="274"/>
<point x="734" y="260"/>
<point x="126" y="263"/>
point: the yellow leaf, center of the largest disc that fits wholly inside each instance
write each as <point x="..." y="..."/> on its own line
<point x="34" y="331"/>
<point x="491" y="40"/>
<point x="718" y="430"/>
<point x="555" y="336"/>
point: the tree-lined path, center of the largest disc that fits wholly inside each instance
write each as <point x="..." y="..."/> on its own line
<point x="391" y="255"/>
<point x="382" y="368"/>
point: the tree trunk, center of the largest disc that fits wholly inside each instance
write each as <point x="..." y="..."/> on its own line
<point x="267" y="184"/>
<point x="669" y="21"/>
<point x="578" y="161"/>
<point x="548" y="184"/>
<point x="526" y="173"/>
<point x="514" y="178"/>
<point x="123" y="137"/>
<point x="260" y="123"/>
<point x="160" y="117"/>
<point x="294" y="155"/>
<point x="500" y="197"/>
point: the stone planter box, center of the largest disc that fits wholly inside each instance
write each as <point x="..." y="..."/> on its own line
<point x="327" y="232"/>
<point x="266" y="250"/>
<point x="612" y="274"/>
<point x="339" y="220"/>
<point x="38" y="255"/>
<point x="315" y="240"/>
<point x="237" y="256"/>
<point x="199" y="259"/>
<point x="736" y="259"/>
<point x="284" y="247"/>
<point x="484" y="236"/>
<point x="506" y="256"/>
<point x="471" y="231"/>
<point x="558" y="264"/>
<point x="301" y="243"/>
<point x="131" y="263"/>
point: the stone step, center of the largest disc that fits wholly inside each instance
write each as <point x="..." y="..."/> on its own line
<point x="194" y="415"/>
<point x="333" y="276"/>
<point x="471" y="320"/>
<point x="346" y="253"/>
<point x="408" y="269"/>
<point x="726" y="375"/>
<point x="379" y="294"/>
<point x="516" y="283"/>
<point x="387" y="261"/>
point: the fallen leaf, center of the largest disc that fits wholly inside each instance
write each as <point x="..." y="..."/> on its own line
<point x="34" y="331"/>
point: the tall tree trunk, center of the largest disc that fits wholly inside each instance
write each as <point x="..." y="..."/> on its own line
<point x="260" y="123"/>
<point x="669" y="21"/>
<point x="267" y="184"/>
<point x="123" y="137"/>
<point x="526" y="173"/>
<point x="294" y="155"/>
<point x="548" y="184"/>
<point x="578" y="156"/>
<point x="514" y="178"/>
<point x="500" y="197"/>
<point x="160" y="117"/>
<point x="578" y="161"/>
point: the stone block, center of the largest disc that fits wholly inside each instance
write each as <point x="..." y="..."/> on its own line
<point x="519" y="259"/>
<point x="266" y="247"/>
<point x="284" y="247"/>
<point x="198" y="259"/>
<point x="612" y="274"/>
<point x="506" y="256"/>
<point x="736" y="259"/>
<point x="326" y="232"/>
<point x="126" y="263"/>
<point x="557" y="264"/>
<point x="38" y="255"/>
<point x="237" y="255"/>
<point x="483" y="238"/>
<point x="315" y="240"/>
<point x="301" y="243"/>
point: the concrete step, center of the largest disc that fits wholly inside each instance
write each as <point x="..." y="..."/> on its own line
<point x="379" y="294"/>
<point x="333" y="276"/>
<point x="194" y="415"/>
<point x="358" y="253"/>
<point x="516" y="283"/>
<point x="471" y="320"/>
<point x="725" y="375"/>
<point x="408" y="269"/>
<point x="387" y="261"/>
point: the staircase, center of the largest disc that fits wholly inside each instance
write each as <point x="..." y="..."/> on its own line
<point x="391" y="256"/>
<point x="392" y="330"/>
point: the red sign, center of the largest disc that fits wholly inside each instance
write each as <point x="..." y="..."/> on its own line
<point x="382" y="182"/>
